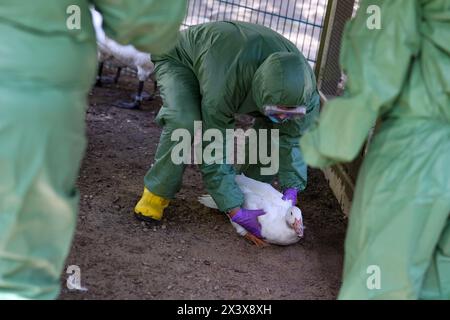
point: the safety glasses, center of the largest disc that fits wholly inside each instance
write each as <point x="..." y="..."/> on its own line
<point x="281" y="114"/>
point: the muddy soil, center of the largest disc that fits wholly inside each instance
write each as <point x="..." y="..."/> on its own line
<point x="194" y="253"/>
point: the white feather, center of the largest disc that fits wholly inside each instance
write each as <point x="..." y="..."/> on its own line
<point x="207" y="201"/>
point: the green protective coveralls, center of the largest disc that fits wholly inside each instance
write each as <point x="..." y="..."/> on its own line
<point x="398" y="241"/>
<point x="221" y="69"/>
<point x="46" y="71"/>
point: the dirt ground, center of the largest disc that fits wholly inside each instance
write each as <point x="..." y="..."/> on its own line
<point x="194" y="253"/>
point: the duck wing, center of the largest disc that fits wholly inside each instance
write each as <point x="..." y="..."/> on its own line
<point x="262" y="189"/>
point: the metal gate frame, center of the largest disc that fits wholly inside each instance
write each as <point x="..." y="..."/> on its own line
<point x="341" y="177"/>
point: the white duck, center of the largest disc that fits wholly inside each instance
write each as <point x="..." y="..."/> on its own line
<point x="283" y="222"/>
<point x="127" y="56"/>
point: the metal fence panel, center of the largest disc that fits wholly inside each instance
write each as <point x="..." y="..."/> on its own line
<point x="300" y="21"/>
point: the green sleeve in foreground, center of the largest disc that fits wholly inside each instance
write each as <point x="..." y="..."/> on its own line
<point x="150" y="25"/>
<point x="377" y="63"/>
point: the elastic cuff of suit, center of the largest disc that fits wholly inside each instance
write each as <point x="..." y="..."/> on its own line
<point x="228" y="208"/>
<point x="153" y="188"/>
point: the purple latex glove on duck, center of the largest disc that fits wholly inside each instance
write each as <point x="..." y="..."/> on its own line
<point x="290" y="194"/>
<point x="248" y="219"/>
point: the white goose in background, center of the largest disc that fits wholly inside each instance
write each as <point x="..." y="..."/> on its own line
<point x="283" y="222"/>
<point x="127" y="56"/>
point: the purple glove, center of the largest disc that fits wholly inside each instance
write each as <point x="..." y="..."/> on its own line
<point x="248" y="219"/>
<point x="290" y="194"/>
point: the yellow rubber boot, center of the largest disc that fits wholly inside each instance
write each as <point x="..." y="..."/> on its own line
<point x="150" y="207"/>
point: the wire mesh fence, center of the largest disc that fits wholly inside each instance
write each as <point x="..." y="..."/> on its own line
<point x="331" y="79"/>
<point x="300" y="21"/>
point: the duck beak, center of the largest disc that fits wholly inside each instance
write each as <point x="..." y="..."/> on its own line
<point x="298" y="227"/>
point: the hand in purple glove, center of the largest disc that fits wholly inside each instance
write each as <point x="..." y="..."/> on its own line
<point x="290" y="194"/>
<point x="248" y="219"/>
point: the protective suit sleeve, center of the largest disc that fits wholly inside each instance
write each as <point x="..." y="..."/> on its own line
<point x="150" y="25"/>
<point x="219" y="176"/>
<point x="377" y="62"/>
<point x="293" y="171"/>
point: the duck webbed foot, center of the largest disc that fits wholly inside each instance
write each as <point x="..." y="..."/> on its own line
<point x="255" y="240"/>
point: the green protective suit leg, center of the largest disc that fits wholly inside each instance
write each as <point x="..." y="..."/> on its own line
<point x="44" y="83"/>
<point x="41" y="146"/>
<point x="399" y="221"/>
<point x="47" y="69"/>
<point x="181" y="107"/>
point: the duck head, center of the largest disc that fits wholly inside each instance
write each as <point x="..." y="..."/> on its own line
<point x="294" y="219"/>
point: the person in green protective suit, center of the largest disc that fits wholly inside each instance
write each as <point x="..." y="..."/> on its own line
<point x="47" y="68"/>
<point x="218" y="70"/>
<point x="398" y="241"/>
